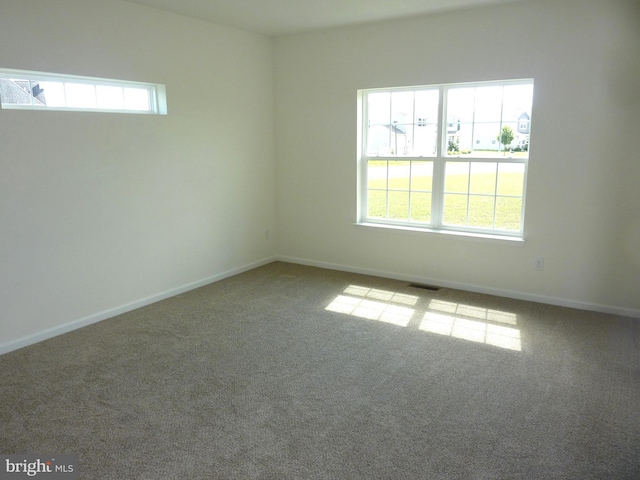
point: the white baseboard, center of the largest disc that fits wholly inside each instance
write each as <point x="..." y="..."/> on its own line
<point x="98" y="317"/>
<point x="518" y="295"/>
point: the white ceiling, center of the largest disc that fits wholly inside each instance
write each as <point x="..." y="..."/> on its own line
<point x="278" y="17"/>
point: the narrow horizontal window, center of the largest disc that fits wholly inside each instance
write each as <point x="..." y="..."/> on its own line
<point x="26" y="90"/>
<point x="446" y="157"/>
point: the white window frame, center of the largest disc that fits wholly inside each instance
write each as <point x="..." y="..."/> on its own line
<point x="156" y="92"/>
<point x="440" y="159"/>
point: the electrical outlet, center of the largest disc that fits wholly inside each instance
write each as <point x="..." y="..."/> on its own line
<point x="538" y="263"/>
<point x="266" y="234"/>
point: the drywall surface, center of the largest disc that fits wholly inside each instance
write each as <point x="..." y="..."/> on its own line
<point x="582" y="197"/>
<point x="101" y="210"/>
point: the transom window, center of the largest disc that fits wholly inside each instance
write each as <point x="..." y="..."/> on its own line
<point x="21" y="89"/>
<point x="446" y="157"/>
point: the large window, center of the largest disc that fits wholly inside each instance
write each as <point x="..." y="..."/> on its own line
<point x="446" y="157"/>
<point x="24" y="90"/>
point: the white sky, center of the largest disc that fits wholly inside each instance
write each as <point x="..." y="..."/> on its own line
<point x="482" y="104"/>
<point x="83" y="95"/>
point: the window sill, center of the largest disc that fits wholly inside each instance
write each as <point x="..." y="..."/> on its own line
<point x="473" y="236"/>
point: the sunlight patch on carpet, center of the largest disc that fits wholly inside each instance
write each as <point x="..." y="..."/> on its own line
<point x="372" y="310"/>
<point x="472" y="330"/>
<point x="466" y="322"/>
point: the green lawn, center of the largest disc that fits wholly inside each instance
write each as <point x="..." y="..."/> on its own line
<point x="467" y="201"/>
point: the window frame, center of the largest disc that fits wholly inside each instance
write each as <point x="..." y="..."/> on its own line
<point x="440" y="160"/>
<point x="156" y="92"/>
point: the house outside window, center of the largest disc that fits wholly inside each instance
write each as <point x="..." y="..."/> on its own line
<point x="524" y="122"/>
<point x="464" y="170"/>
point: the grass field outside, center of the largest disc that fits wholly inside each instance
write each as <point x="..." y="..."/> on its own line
<point x="483" y="195"/>
<point x="489" y="154"/>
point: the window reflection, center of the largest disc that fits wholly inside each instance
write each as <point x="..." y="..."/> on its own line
<point x="472" y="311"/>
<point x="373" y="304"/>
<point x="466" y="322"/>
<point x="472" y="330"/>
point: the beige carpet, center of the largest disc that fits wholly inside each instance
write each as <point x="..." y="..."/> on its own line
<point x="289" y="372"/>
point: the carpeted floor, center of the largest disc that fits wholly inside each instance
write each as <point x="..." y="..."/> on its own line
<point x="288" y="372"/>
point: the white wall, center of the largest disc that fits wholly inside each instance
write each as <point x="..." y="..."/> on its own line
<point x="102" y="212"/>
<point x="583" y="199"/>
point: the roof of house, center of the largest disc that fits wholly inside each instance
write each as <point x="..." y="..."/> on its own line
<point x="11" y="92"/>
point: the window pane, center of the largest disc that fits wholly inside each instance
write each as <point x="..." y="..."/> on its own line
<point x="400" y="135"/>
<point x="517" y="100"/>
<point x="486" y="142"/>
<point x="456" y="177"/>
<point x="516" y="114"/>
<point x="483" y="178"/>
<point x="401" y="122"/>
<point x="54" y="94"/>
<point x="378" y="140"/>
<point x="110" y="97"/>
<point x="379" y="122"/>
<point x="508" y="213"/>
<point x="420" y="207"/>
<point x="376" y="204"/>
<point x="399" y="205"/>
<point x="15" y="91"/>
<point x="455" y="209"/>
<point x="402" y="107"/>
<point x="421" y="176"/>
<point x="80" y="95"/>
<point x="459" y="115"/>
<point x="481" y="211"/>
<point x="425" y="138"/>
<point x="377" y="174"/>
<point x="488" y="105"/>
<point x="399" y="175"/>
<point x="426" y="105"/>
<point x="477" y="116"/>
<point x="379" y="108"/>
<point x="510" y="179"/>
<point x="425" y="132"/>
<point x="460" y="103"/>
<point x="136" y="99"/>
<point x="459" y="139"/>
